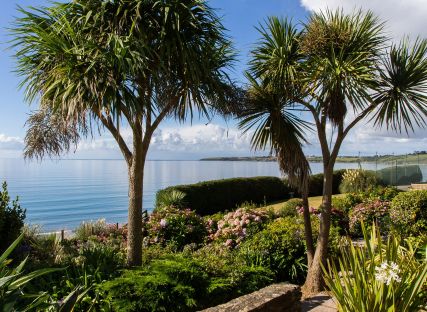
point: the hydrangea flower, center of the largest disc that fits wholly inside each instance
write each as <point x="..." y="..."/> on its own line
<point x="387" y="272"/>
<point x="163" y="223"/>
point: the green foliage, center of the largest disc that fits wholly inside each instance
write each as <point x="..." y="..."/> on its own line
<point x="280" y="247"/>
<point x="174" y="198"/>
<point x="344" y="203"/>
<point x="368" y="212"/>
<point x="99" y="228"/>
<point x="316" y="183"/>
<point x="400" y="175"/>
<point x="179" y="283"/>
<point x="408" y="212"/>
<point x="357" y="180"/>
<point x="11" y="218"/>
<point x="13" y="281"/>
<point x="220" y="195"/>
<point x="170" y="225"/>
<point x="289" y="208"/>
<point x="377" y="276"/>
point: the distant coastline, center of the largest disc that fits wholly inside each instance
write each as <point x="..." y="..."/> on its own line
<point x="414" y="158"/>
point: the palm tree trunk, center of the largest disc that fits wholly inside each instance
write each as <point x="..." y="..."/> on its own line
<point x="308" y="230"/>
<point x="314" y="282"/>
<point x="136" y="178"/>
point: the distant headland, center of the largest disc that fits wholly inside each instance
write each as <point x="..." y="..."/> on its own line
<point x="415" y="157"/>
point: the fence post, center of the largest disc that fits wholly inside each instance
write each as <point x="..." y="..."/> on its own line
<point x="62" y="235"/>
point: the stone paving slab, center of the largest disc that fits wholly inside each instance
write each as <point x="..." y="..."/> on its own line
<point x="319" y="303"/>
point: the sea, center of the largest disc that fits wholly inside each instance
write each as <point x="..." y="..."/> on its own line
<point x="60" y="194"/>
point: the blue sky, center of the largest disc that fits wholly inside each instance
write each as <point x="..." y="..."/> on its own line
<point x="192" y="141"/>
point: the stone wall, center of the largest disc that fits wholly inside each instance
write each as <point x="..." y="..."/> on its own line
<point x="274" y="298"/>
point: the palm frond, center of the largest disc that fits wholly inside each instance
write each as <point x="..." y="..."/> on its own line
<point x="275" y="126"/>
<point x="402" y="97"/>
<point x="342" y="51"/>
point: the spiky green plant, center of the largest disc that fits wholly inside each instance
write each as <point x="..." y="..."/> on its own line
<point x="378" y="276"/>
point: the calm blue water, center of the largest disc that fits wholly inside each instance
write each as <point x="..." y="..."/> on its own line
<point x="61" y="194"/>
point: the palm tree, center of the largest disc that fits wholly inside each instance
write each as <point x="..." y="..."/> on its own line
<point x="340" y="63"/>
<point x="102" y="65"/>
<point x="276" y="126"/>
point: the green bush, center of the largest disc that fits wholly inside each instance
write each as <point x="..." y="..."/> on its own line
<point x="289" y="208"/>
<point x="176" y="227"/>
<point x="210" y="197"/>
<point x="220" y="195"/>
<point x="231" y="277"/>
<point x="316" y="183"/>
<point x="400" y="175"/>
<point x="408" y="212"/>
<point x="181" y="283"/>
<point x="357" y="180"/>
<point x="368" y="212"/>
<point x="12" y="217"/>
<point x="280" y="247"/>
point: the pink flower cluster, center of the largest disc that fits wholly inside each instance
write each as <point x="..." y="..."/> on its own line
<point x="234" y="226"/>
<point x="300" y="210"/>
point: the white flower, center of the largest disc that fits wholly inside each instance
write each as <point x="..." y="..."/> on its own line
<point x="387" y="272"/>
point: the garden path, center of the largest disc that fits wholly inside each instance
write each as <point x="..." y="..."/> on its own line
<point x="319" y="303"/>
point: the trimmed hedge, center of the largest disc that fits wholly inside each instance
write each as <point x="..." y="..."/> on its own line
<point x="214" y="196"/>
<point x="219" y="195"/>
<point x="316" y="183"/>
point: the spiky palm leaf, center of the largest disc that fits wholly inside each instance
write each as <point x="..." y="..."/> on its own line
<point x="402" y="96"/>
<point x="276" y="126"/>
<point x="342" y="53"/>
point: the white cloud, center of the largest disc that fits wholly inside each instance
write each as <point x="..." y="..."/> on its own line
<point x="181" y="142"/>
<point x="10" y="142"/>
<point x="402" y="17"/>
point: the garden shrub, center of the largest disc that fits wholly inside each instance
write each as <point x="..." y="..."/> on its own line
<point x="382" y="193"/>
<point x="316" y="183"/>
<point x="280" y="247"/>
<point x="100" y="229"/>
<point x="357" y="180"/>
<point x="182" y="283"/>
<point x="220" y="195"/>
<point x="344" y="203"/>
<point x="371" y="211"/>
<point x="173" y="198"/>
<point x="172" y="284"/>
<point x="12" y="217"/>
<point x="289" y="208"/>
<point x="214" y="196"/>
<point x="235" y="226"/>
<point x="174" y="226"/>
<point x="408" y="212"/>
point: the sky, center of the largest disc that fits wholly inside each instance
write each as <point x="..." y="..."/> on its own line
<point x="217" y="137"/>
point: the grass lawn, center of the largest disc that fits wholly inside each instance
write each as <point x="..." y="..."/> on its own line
<point x="314" y="201"/>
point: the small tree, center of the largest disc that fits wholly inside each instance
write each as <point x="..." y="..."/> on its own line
<point x="339" y="63"/>
<point x="119" y="63"/>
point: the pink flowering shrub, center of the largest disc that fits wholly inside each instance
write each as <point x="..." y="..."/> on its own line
<point x="339" y="218"/>
<point x="174" y="226"/>
<point x="370" y="211"/>
<point x="235" y="226"/>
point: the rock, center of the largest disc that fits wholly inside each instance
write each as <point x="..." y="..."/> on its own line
<point x="274" y="298"/>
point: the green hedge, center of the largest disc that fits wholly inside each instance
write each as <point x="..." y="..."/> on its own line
<point x="316" y="183"/>
<point x="214" y="196"/>
<point x="219" y="195"/>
